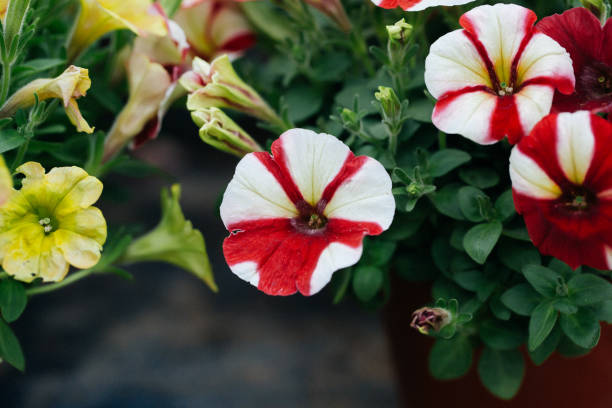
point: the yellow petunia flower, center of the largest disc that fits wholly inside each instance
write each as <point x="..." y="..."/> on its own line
<point x="6" y="181"/>
<point x="73" y="83"/>
<point x="50" y="224"/>
<point x="99" y="17"/>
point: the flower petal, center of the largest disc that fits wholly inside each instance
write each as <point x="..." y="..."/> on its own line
<point x="365" y="196"/>
<point x="533" y="102"/>
<point x="88" y="222"/>
<point x="530" y="179"/>
<point x="80" y="251"/>
<point x="312" y="160"/>
<point x="544" y="61"/>
<point x="254" y="193"/>
<point x="53" y="265"/>
<point x="501" y="29"/>
<point x="468" y="113"/>
<point x="276" y="258"/>
<point x="575" y="145"/>
<point x="84" y="193"/>
<point x="21" y="259"/>
<point x="453" y="64"/>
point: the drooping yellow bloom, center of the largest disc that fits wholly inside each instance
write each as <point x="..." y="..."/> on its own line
<point x="50" y="224"/>
<point x="99" y="17"/>
<point x="73" y="83"/>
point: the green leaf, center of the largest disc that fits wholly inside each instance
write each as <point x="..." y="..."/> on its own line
<point x="10" y="139"/>
<point x="10" y="350"/>
<point x="548" y="346"/>
<point x="568" y="348"/>
<point x="469" y="201"/>
<point x="367" y="281"/>
<point x="13" y="299"/>
<point x="581" y="327"/>
<point x="344" y="277"/>
<point x="501" y="335"/>
<point x="450" y="359"/>
<point x="498" y="309"/>
<point x="14" y="20"/>
<point x="481" y="239"/>
<point x="542" y="321"/>
<point x="446" y="160"/>
<point x="603" y="311"/>
<point x="505" y="205"/>
<point x="563" y="269"/>
<point x="39" y="65"/>
<point x="521" y="299"/>
<point x="174" y="241"/>
<point x="470" y="280"/>
<point x="501" y="372"/>
<point x="303" y="101"/>
<point x="543" y="280"/>
<point x="445" y="201"/>
<point x="515" y="255"/>
<point x="479" y="177"/>
<point x="415" y="267"/>
<point x="441" y="253"/>
<point x="378" y="252"/>
<point x="420" y="110"/>
<point x="587" y="289"/>
<point x="564" y="305"/>
<point x="170" y="6"/>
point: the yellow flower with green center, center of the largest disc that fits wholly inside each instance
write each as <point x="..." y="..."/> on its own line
<point x="50" y="224"/>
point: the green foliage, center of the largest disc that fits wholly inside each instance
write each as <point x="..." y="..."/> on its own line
<point x="10" y="350"/>
<point x="450" y="359"/>
<point x="501" y="372"/>
<point x="13" y="299"/>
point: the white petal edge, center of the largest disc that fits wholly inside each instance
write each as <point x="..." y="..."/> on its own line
<point x="501" y="29"/>
<point x="365" y="197"/>
<point x="253" y="194"/>
<point x="313" y="160"/>
<point x="468" y="115"/>
<point x="575" y="144"/>
<point x="430" y="3"/>
<point x="544" y="57"/>
<point x="529" y="179"/>
<point x="246" y="271"/>
<point x="335" y="257"/>
<point x="533" y="102"/>
<point x="454" y="63"/>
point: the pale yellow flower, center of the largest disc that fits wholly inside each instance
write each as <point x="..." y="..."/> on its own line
<point x="6" y="182"/>
<point x="50" y="224"/>
<point x="99" y="17"/>
<point x="73" y="83"/>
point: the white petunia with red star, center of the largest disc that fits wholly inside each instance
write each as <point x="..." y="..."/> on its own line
<point x="298" y="215"/>
<point x="417" y="5"/>
<point x="562" y="185"/>
<point x="496" y="78"/>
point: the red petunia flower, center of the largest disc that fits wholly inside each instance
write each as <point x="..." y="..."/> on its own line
<point x="495" y="78"/>
<point x="300" y="214"/>
<point x="581" y="34"/>
<point x="562" y="184"/>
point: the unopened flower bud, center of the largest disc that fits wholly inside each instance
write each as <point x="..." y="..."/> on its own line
<point x="428" y="319"/>
<point x="400" y="31"/>
<point x="217" y="85"/>
<point x="220" y="131"/>
<point x="389" y="101"/>
<point x="350" y="118"/>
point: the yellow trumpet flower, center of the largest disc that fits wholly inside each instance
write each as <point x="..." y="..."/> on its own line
<point x="73" y="83"/>
<point x="50" y="224"/>
<point x="99" y="17"/>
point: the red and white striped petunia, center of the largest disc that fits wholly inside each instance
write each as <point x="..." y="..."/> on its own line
<point x="562" y="184"/>
<point x="495" y="78"/>
<point x="417" y="5"/>
<point x="300" y="214"/>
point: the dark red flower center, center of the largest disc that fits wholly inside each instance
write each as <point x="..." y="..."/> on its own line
<point x="311" y="219"/>
<point x="595" y="81"/>
<point x="576" y="200"/>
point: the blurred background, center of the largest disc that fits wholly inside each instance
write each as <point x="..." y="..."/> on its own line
<point x="165" y="340"/>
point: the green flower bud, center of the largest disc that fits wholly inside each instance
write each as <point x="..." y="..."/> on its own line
<point x="220" y="131"/>
<point x="427" y="319"/>
<point x="400" y="31"/>
<point x="389" y="101"/>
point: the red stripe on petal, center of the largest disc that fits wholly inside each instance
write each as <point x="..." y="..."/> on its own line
<point x="281" y="174"/>
<point x="449" y="97"/>
<point x="505" y="121"/>
<point x="350" y="167"/>
<point x="388" y="4"/>
<point x="285" y="257"/>
<point x="563" y="84"/>
<point x="530" y="19"/>
<point x="470" y="33"/>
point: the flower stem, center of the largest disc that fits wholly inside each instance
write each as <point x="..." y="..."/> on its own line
<point x="77" y="276"/>
<point x="6" y="82"/>
<point x="441" y="140"/>
<point x="20" y="154"/>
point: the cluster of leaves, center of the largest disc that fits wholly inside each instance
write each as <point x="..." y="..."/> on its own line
<point x="456" y="224"/>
